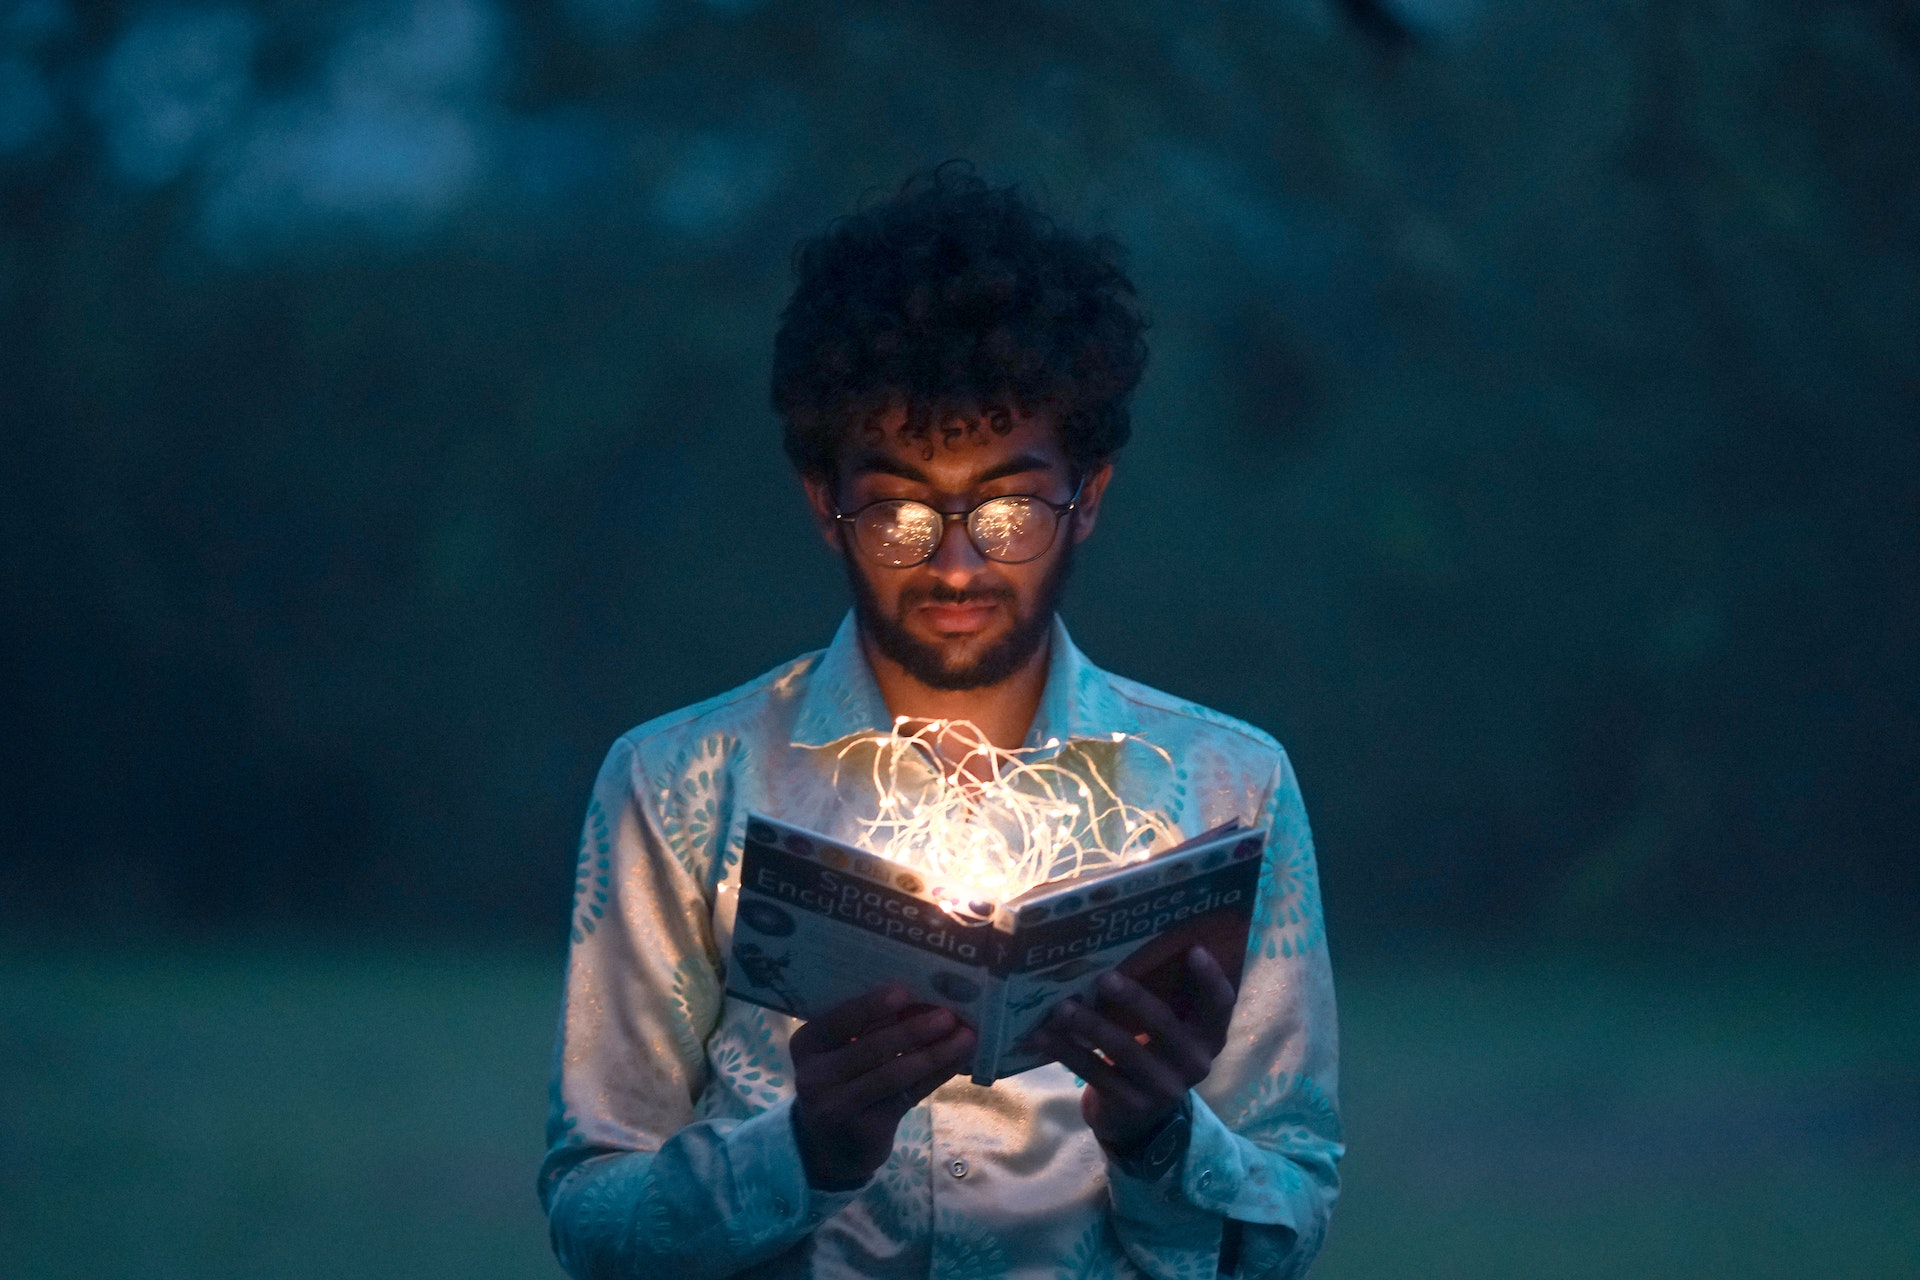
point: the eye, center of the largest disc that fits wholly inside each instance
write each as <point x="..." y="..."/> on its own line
<point x="903" y="523"/>
<point x="898" y="533"/>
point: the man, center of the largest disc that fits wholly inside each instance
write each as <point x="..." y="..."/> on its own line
<point x="953" y="374"/>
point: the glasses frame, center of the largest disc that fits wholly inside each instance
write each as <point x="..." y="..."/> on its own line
<point x="1059" y="509"/>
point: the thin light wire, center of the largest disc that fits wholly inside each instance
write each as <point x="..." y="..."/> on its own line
<point x="989" y="824"/>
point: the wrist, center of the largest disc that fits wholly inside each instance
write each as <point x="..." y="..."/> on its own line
<point x="823" y="1173"/>
<point x="1159" y="1149"/>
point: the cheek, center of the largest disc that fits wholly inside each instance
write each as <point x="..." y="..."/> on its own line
<point x="1029" y="581"/>
<point x="882" y="586"/>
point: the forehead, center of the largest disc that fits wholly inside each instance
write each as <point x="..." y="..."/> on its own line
<point x="954" y="453"/>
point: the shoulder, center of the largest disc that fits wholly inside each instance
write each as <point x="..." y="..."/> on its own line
<point x="1164" y="715"/>
<point x="1231" y="768"/>
<point x="749" y="716"/>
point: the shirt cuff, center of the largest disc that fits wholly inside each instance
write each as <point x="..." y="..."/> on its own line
<point x="1165" y="1230"/>
<point x="770" y="1180"/>
<point x="1215" y="1167"/>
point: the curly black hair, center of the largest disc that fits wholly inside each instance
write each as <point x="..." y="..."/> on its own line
<point x="963" y="303"/>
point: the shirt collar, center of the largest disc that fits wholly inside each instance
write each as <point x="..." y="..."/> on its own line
<point x="1079" y="701"/>
<point x="843" y="699"/>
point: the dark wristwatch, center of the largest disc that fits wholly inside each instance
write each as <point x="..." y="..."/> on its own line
<point x="1161" y="1150"/>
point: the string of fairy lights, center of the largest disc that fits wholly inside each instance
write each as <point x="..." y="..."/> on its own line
<point x="983" y="824"/>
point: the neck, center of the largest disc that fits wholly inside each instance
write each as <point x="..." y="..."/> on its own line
<point x="1003" y="712"/>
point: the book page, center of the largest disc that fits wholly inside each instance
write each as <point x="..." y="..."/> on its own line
<point x="819" y="923"/>
<point x="1142" y="921"/>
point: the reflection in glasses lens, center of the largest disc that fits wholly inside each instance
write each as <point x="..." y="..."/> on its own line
<point x="1011" y="530"/>
<point x="898" y="533"/>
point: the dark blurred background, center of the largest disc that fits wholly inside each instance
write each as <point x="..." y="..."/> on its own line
<point x="1532" y="443"/>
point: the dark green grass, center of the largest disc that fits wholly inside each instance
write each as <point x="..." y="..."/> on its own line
<point x="273" y="1113"/>
<point x="311" y="1112"/>
<point x="1662" y="1117"/>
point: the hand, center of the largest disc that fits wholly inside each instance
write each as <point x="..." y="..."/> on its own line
<point x="1138" y="1069"/>
<point x="858" y="1068"/>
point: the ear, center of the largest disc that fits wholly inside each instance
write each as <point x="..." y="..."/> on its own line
<point x="820" y="503"/>
<point x="1088" y="509"/>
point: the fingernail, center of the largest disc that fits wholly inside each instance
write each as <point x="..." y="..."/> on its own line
<point x="1112" y="983"/>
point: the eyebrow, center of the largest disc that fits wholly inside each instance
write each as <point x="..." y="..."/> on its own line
<point x="885" y="465"/>
<point x="1013" y="467"/>
<point x="879" y="464"/>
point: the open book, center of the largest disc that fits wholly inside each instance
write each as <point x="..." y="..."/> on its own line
<point x="820" y="922"/>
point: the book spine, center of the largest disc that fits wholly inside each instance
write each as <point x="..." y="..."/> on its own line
<point x="993" y="1021"/>
<point x="993" y="1007"/>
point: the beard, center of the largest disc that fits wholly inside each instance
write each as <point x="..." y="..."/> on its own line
<point x="925" y="662"/>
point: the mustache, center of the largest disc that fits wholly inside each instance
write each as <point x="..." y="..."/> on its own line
<point x="941" y="593"/>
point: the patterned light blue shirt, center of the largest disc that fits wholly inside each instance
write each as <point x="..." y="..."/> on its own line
<point x="671" y="1150"/>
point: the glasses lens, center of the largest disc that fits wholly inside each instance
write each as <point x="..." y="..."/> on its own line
<point x="898" y="533"/>
<point x="1012" y="530"/>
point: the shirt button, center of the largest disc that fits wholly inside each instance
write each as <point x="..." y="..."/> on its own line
<point x="958" y="1168"/>
<point x="780" y="1206"/>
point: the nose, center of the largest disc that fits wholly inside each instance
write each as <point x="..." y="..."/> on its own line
<point x="956" y="559"/>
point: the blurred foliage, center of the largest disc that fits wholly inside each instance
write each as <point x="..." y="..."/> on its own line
<point x="1530" y="444"/>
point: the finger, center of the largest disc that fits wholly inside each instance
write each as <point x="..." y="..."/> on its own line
<point x="907" y="1070"/>
<point x="1217" y="995"/>
<point x="1041" y="1041"/>
<point x="1081" y="1059"/>
<point x="886" y="1086"/>
<point x="1170" y="1039"/>
<point x="1144" y="1069"/>
<point x="848" y="1019"/>
<point x="930" y="1068"/>
<point x="875" y="1047"/>
<point x="1100" y="1075"/>
<point x="916" y="1093"/>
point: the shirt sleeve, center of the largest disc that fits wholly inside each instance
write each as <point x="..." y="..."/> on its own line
<point x="1265" y="1140"/>
<point x="634" y="1182"/>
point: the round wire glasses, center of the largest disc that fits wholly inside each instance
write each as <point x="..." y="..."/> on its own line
<point x="901" y="533"/>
